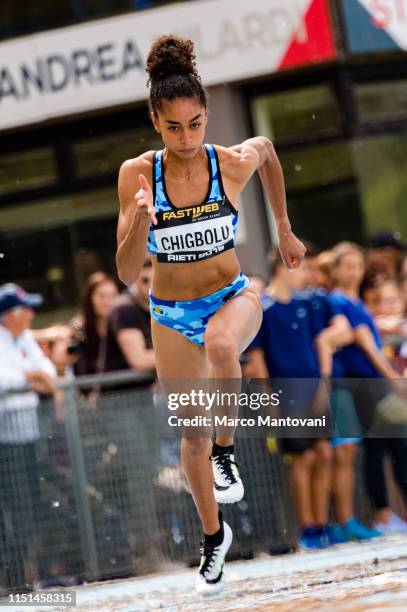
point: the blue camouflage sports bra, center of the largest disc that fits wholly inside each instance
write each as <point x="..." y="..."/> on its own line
<point x="196" y="232"/>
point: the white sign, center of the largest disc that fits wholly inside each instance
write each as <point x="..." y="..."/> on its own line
<point x="391" y="17"/>
<point x="101" y="64"/>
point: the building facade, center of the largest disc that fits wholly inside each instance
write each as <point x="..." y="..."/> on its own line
<point x="326" y="81"/>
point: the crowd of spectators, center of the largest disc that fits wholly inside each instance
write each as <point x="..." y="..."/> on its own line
<point x="317" y="327"/>
<point x="341" y="316"/>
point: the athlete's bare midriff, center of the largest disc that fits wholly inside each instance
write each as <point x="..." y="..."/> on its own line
<point x="183" y="282"/>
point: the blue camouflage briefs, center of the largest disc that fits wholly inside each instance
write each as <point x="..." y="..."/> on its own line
<point x="191" y="317"/>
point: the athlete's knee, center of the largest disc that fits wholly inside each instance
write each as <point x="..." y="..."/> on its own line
<point x="220" y="346"/>
<point x="196" y="446"/>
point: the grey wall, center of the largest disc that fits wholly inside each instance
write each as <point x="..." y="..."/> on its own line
<point x="227" y="126"/>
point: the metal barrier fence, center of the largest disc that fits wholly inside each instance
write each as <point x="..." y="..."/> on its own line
<point x="100" y="493"/>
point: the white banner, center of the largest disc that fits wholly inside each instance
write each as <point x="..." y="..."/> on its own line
<point x="389" y="16"/>
<point x="101" y="64"/>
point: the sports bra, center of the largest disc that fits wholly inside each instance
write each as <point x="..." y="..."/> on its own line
<point x="196" y="232"/>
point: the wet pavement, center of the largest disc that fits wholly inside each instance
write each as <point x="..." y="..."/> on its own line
<point x="353" y="577"/>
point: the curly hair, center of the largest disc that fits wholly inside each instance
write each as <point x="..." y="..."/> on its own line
<point x="172" y="71"/>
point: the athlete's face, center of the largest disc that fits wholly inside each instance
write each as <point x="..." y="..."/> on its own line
<point x="181" y="123"/>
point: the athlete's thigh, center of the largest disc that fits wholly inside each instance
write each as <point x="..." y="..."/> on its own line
<point x="176" y="356"/>
<point x="241" y="317"/>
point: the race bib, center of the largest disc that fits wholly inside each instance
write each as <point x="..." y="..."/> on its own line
<point x="193" y="234"/>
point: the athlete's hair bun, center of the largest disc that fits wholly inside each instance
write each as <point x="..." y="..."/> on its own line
<point x="171" y="55"/>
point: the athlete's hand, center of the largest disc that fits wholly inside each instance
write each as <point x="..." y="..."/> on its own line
<point x="144" y="200"/>
<point x="291" y="248"/>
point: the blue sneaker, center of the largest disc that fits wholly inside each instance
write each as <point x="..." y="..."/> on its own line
<point x="335" y="534"/>
<point x="312" y="537"/>
<point x="354" y="530"/>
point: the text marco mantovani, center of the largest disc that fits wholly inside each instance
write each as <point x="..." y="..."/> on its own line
<point x="267" y="420"/>
<point x="254" y="401"/>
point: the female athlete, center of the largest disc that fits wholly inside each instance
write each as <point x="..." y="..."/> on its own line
<point x="181" y="203"/>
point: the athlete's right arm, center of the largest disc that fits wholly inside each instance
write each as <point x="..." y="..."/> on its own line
<point x="136" y="215"/>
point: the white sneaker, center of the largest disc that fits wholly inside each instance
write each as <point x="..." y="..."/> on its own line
<point x="228" y="487"/>
<point x="209" y="581"/>
<point x="395" y="525"/>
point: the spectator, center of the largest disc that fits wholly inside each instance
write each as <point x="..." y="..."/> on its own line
<point x="365" y="361"/>
<point x="90" y="327"/>
<point x="325" y="262"/>
<point x="342" y="407"/>
<point x="128" y="343"/>
<point x="390" y="310"/>
<point x="22" y="364"/>
<point x="129" y="346"/>
<point x="403" y="279"/>
<point x="258" y="284"/>
<point x="54" y="342"/>
<point x="310" y="265"/>
<point x="385" y="250"/>
<point x="403" y="285"/>
<point x="369" y="291"/>
<point x="286" y="348"/>
<point x="391" y="322"/>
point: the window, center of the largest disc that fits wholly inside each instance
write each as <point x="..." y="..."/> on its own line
<point x="16" y="19"/>
<point x="26" y="170"/>
<point x="384" y="100"/>
<point x="316" y="166"/>
<point x="381" y="165"/>
<point x="53" y="245"/>
<point x="294" y="113"/>
<point x="104" y="154"/>
<point x="327" y="216"/>
<point x="48" y="14"/>
<point x="322" y="193"/>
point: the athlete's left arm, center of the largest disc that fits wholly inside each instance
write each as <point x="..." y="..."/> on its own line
<point x="258" y="153"/>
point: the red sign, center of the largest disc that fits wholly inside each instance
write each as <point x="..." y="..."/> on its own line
<point x="314" y="41"/>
